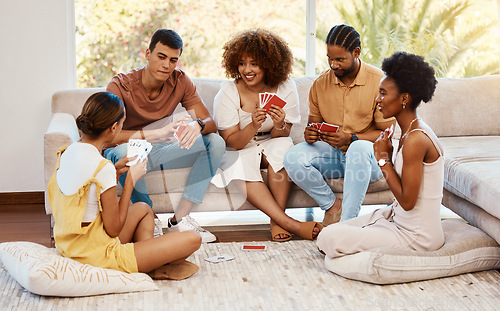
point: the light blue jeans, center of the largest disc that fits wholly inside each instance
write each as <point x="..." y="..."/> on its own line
<point x="203" y="157"/>
<point x="309" y="164"/>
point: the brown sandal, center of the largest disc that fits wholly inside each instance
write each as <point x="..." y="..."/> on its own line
<point x="277" y="230"/>
<point x="306" y="229"/>
<point x="174" y="271"/>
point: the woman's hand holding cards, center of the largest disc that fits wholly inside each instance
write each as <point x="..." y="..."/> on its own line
<point x="137" y="170"/>
<point x="382" y="147"/>
<point x="278" y="115"/>
<point x="258" y="117"/>
<point x="121" y="166"/>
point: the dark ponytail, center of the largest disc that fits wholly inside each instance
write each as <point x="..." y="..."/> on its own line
<point x="100" y="111"/>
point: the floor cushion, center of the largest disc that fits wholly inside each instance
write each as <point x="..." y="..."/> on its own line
<point x="466" y="249"/>
<point x="44" y="272"/>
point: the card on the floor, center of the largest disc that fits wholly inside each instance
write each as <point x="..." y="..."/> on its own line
<point x="139" y="148"/>
<point x="219" y="258"/>
<point x="249" y="247"/>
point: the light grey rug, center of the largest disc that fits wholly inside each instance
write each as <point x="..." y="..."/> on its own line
<point x="288" y="276"/>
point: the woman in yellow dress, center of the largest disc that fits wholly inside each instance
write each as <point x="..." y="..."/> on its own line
<point x="91" y="225"/>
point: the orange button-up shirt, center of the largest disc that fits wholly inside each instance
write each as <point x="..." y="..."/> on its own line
<point x="353" y="107"/>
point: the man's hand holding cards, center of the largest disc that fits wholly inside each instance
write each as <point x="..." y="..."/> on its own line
<point x="267" y="99"/>
<point x="325" y="127"/>
<point x="139" y="148"/>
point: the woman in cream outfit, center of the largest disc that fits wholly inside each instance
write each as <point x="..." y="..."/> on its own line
<point x="416" y="178"/>
<point x="260" y="62"/>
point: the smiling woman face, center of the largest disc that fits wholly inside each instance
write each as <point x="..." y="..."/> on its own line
<point x="389" y="100"/>
<point x="250" y="72"/>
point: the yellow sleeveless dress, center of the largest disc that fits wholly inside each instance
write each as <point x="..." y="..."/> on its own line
<point x="91" y="244"/>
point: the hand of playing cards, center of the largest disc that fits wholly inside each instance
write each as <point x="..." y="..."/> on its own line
<point x="139" y="148"/>
<point x="325" y="127"/>
<point x="179" y="130"/>
<point x="267" y="99"/>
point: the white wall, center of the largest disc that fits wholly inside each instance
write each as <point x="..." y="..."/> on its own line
<point x="36" y="60"/>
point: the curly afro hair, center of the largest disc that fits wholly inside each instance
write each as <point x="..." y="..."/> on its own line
<point x="412" y="75"/>
<point x="270" y="51"/>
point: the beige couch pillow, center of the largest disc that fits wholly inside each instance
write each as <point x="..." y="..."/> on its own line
<point x="466" y="249"/>
<point x="44" y="272"/>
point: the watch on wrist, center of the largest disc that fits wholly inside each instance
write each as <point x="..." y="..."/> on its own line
<point x="354" y="137"/>
<point x="201" y="123"/>
<point x="382" y="162"/>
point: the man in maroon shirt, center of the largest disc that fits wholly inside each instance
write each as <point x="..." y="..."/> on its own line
<point x="150" y="95"/>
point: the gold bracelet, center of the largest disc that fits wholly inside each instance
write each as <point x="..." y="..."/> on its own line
<point x="281" y="128"/>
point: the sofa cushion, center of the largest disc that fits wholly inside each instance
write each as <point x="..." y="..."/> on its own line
<point x="470" y="105"/>
<point x="466" y="249"/>
<point x="472" y="170"/>
<point x="44" y="272"/>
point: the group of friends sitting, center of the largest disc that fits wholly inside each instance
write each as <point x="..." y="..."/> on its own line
<point x="94" y="226"/>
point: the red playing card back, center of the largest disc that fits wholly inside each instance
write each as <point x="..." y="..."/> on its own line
<point x="275" y="100"/>
<point x="326" y="127"/>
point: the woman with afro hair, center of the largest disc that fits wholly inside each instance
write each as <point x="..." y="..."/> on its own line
<point x="415" y="177"/>
<point x="259" y="61"/>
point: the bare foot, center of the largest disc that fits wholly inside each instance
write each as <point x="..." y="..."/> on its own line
<point x="315" y="232"/>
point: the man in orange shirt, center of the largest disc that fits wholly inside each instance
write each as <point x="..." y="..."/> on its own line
<point x="344" y="95"/>
<point x="150" y="95"/>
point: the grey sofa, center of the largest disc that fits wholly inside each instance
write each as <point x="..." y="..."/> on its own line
<point x="463" y="114"/>
<point x="165" y="187"/>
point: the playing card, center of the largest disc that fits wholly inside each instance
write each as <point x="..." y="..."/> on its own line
<point x="315" y="125"/>
<point x="391" y="131"/>
<point x="219" y="258"/>
<point x="273" y="99"/>
<point x="248" y="247"/>
<point x="179" y="131"/>
<point x="327" y="127"/>
<point x="139" y="148"/>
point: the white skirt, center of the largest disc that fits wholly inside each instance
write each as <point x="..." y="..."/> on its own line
<point x="244" y="164"/>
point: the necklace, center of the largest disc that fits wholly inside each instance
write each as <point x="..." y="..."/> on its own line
<point x="262" y="91"/>
<point x="409" y="127"/>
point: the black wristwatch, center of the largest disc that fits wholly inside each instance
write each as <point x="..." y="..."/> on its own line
<point x="201" y="123"/>
<point x="353" y="138"/>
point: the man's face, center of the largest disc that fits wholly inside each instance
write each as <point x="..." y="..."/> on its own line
<point x="162" y="61"/>
<point x="341" y="61"/>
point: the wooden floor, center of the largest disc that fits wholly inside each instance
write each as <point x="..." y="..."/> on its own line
<point x="28" y="222"/>
<point x="24" y="222"/>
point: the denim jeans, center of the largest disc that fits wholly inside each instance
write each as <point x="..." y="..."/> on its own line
<point x="309" y="164"/>
<point x="203" y="157"/>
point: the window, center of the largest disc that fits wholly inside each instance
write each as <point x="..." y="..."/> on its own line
<point x="112" y="35"/>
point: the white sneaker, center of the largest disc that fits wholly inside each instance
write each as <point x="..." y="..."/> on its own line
<point x="189" y="224"/>
<point x="158" y="228"/>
